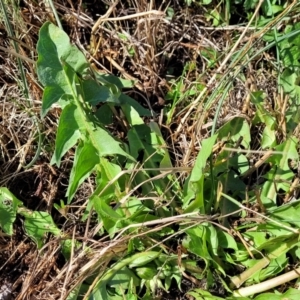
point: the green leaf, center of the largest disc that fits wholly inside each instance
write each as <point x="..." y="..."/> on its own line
<point x="108" y="181"/>
<point x="122" y="279"/>
<point x="280" y="176"/>
<point x="141" y="259"/>
<point x="106" y="212"/>
<point x="199" y="294"/>
<point x="85" y="160"/>
<point x="68" y="132"/>
<point x="37" y="224"/>
<point x="290" y="81"/>
<point x="226" y="241"/>
<point x="95" y="93"/>
<point x="273" y="249"/>
<point x="235" y="129"/>
<point x="258" y="238"/>
<point x="268" y="296"/>
<point x="196" y="242"/>
<point x="51" y="95"/>
<point x="131" y="102"/>
<point x="105" y="144"/>
<point x="289" y="212"/>
<point x="203" y="155"/>
<point x="250" y="4"/>
<point x="275" y="267"/>
<point x="290" y="294"/>
<point x="114" y="80"/>
<point x="104" y="114"/>
<point x="53" y="46"/>
<point x="100" y="290"/>
<point x="8" y="210"/>
<point x="196" y="180"/>
<point x="206" y="2"/>
<point x="112" y="221"/>
<point x="146" y="273"/>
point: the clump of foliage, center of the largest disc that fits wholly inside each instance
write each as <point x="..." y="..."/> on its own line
<point x="232" y="234"/>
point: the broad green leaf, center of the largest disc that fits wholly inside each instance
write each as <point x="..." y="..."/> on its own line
<point x="37" y="224"/>
<point x="8" y="210"/>
<point x="268" y="139"/>
<point x="290" y="82"/>
<point x="105" y="144"/>
<point x="273" y="249"/>
<point x="53" y="46"/>
<point x="132" y="115"/>
<point x="250" y="4"/>
<point x="142" y="139"/>
<point x="271" y="10"/>
<point x="289" y="212"/>
<point x="203" y="155"/>
<point x="213" y="241"/>
<point x="68" y="132"/>
<point x="196" y="191"/>
<point x="51" y="95"/>
<point x="100" y="290"/>
<point x="136" y="209"/>
<point x="275" y="267"/>
<point x="95" y="93"/>
<point x="99" y="293"/>
<point x="131" y="102"/>
<point x="85" y="160"/>
<point x="142" y="259"/>
<point x="104" y="114"/>
<point x="290" y="294"/>
<point x="112" y="221"/>
<point x="234" y="130"/>
<point x="289" y="47"/>
<point x="196" y="180"/>
<point x="188" y="193"/>
<point x="196" y="242"/>
<point x="199" y="294"/>
<point x="146" y="272"/>
<point x="123" y="278"/>
<point x="108" y="185"/>
<point x="226" y="240"/>
<point x="111" y="80"/>
<point x="105" y="211"/>
<point x="119" y="82"/>
<point x="257" y="238"/>
<point x="268" y="296"/>
<point x="232" y="183"/>
<point x="226" y="161"/>
<point x="280" y="176"/>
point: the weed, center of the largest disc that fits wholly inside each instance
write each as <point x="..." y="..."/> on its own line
<point x="229" y="224"/>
